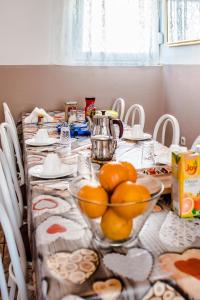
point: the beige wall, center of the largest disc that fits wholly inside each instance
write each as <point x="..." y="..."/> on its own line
<point x="25" y="87"/>
<point x="171" y="89"/>
<point x="182" y="97"/>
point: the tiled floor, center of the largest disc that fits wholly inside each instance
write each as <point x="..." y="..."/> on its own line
<point x="6" y="261"/>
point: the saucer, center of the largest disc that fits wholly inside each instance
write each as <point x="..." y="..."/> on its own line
<point x="46" y="142"/>
<point x="38" y="171"/>
<point x="128" y="136"/>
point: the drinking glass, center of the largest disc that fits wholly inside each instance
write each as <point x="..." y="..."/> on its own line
<point x="148" y="157"/>
<point x="80" y="116"/>
<point x="72" y="116"/>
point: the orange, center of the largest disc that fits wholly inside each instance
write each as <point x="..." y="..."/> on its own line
<point x="112" y="174"/>
<point x="114" y="227"/>
<point x="187" y="205"/>
<point x="96" y="200"/>
<point x="126" y="193"/>
<point x="132" y="173"/>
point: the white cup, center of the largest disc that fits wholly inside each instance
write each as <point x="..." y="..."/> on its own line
<point x="52" y="164"/>
<point x="137" y="131"/>
<point x="41" y="135"/>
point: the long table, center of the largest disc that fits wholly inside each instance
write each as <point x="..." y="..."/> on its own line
<point x="66" y="259"/>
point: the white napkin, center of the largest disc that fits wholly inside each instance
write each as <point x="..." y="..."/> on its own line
<point x="165" y="157"/>
<point x="33" y="117"/>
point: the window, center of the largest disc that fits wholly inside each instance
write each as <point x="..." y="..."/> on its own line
<point x="110" y="32"/>
<point x="183" y="21"/>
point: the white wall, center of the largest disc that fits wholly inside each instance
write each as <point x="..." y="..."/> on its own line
<point x="25" y="29"/>
<point x="185" y="55"/>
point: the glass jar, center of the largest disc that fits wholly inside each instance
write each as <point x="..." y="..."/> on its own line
<point x="70" y="105"/>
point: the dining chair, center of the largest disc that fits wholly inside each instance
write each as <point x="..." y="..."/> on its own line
<point x="14" y="136"/>
<point x="164" y="120"/>
<point x="17" y="205"/>
<point x="133" y="109"/>
<point x="119" y="106"/>
<point x="10" y="120"/>
<point x="16" y="272"/>
<point x="8" y="144"/>
<point x="10" y="198"/>
<point x="195" y="143"/>
<point x="6" y="201"/>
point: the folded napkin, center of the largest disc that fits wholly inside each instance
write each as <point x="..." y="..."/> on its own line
<point x="33" y="117"/>
<point x="164" y="156"/>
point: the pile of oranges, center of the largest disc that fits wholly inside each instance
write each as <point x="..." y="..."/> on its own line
<point x="117" y="187"/>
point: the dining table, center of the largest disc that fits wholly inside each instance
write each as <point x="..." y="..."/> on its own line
<point x="68" y="263"/>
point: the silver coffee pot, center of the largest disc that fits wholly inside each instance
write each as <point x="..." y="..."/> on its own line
<point x="103" y="137"/>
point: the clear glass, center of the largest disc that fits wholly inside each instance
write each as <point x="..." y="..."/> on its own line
<point x="154" y="186"/>
<point x="80" y="116"/>
<point x="72" y="116"/>
<point x="148" y="154"/>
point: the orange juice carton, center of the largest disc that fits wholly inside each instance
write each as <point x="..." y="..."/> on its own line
<point x="186" y="184"/>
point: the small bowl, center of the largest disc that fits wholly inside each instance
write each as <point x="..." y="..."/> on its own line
<point x="155" y="188"/>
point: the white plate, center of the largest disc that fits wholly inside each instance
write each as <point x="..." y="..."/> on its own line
<point x="47" y="142"/>
<point x="38" y="171"/>
<point x="128" y="136"/>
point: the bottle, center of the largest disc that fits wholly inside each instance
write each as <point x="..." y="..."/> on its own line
<point x="40" y="119"/>
<point x="89" y="107"/>
<point x="65" y="138"/>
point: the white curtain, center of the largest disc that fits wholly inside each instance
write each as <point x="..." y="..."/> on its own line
<point x="106" y="32"/>
<point x="184" y="20"/>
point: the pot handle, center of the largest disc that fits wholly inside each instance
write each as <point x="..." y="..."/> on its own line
<point x="120" y="124"/>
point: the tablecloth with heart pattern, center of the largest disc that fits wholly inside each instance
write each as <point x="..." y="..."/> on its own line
<point x="69" y="264"/>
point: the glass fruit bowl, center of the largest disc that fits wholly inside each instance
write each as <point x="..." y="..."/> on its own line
<point x="112" y="221"/>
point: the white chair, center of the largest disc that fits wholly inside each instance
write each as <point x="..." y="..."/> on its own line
<point x="17" y="276"/>
<point x="165" y="120"/>
<point x="17" y="205"/>
<point x="14" y="137"/>
<point x="135" y="108"/>
<point x="14" y="220"/>
<point x="119" y="106"/>
<point x="195" y="143"/>
<point x="10" y="120"/>
<point x="9" y="148"/>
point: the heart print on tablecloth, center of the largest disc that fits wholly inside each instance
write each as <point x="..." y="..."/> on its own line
<point x="130" y="265"/>
<point x="58" y="227"/>
<point x="162" y="291"/>
<point x="75" y="267"/>
<point x="184" y="269"/>
<point x="178" y="234"/>
<point x="47" y="203"/>
<point x="31" y="159"/>
<point x="108" y="289"/>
